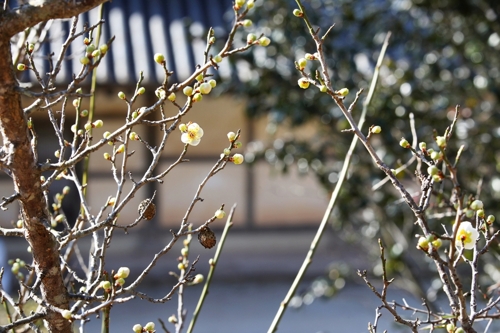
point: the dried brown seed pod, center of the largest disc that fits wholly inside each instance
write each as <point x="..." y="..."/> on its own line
<point x="147" y="209"/>
<point x="207" y="237"/>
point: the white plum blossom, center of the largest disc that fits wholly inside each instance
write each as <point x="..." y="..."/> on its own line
<point x="192" y="135"/>
<point x="466" y="236"/>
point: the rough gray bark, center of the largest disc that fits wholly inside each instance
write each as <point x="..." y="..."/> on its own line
<point x="21" y="161"/>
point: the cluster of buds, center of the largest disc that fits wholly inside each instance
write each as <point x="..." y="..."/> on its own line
<point x="476" y="207"/>
<point x="435" y="173"/>
<point x="236" y="158"/>
<point x="203" y="88"/>
<point x="301" y="65"/>
<point x="262" y="41"/>
<point x="436" y="156"/>
<point x="238" y="4"/>
<point x="57" y="206"/>
<point x="29" y="48"/>
<point x="107" y="135"/>
<point x="119" y="280"/>
<point x="84" y="114"/>
<point x="88" y="126"/>
<point x="121" y="275"/>
<point x="183" y="258"/>
<point x="148" y="328"/>
<point x="92" y="52"/>
<point x="424" y="243"/>
<point x="138" y="112"/>
<point x="16" y="267"/>
<point x="433" y="154"/>
<point x="117" y="150"/>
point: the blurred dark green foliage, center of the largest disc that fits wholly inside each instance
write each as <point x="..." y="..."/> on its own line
<point x="442" y="53"/>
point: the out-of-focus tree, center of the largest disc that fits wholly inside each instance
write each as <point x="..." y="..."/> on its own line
<point x="442" y="53"/>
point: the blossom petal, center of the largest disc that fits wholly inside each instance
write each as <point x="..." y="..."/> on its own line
<point x="467" y="236"/>
<point x="195" y="142"/>
<point x="194" y="127"/>
<point x="185" y="138"/>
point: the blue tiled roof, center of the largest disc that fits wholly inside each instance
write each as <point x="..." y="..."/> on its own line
<point x="143" y="28"/>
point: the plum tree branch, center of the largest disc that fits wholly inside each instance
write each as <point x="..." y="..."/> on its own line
<point x="26" y="16"/>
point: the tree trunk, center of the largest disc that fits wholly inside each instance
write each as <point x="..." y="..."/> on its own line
<point x="26" y="176"/>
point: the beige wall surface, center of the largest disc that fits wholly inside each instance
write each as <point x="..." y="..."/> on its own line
<point x="178" y="191"/>
<point x="289" y="199"/>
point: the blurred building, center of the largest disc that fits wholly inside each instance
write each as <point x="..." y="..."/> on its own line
<point x="178" y="30"/>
